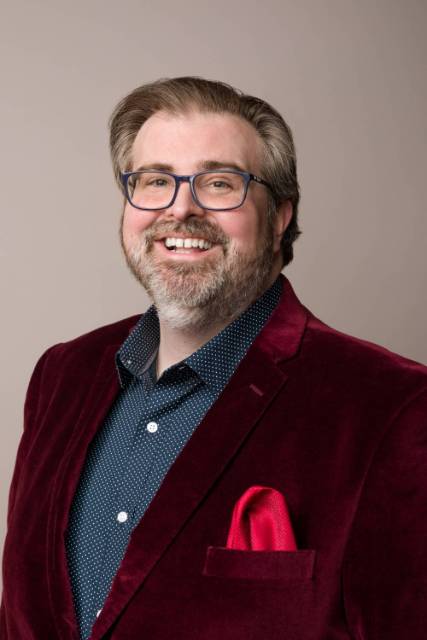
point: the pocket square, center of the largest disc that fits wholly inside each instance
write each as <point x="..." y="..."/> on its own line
<point x="261" y="522"/>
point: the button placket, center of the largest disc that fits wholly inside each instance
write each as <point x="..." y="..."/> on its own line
<point x="127" y="500"/>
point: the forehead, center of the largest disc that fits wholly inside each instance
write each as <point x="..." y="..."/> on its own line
<point x="187" y="140"/>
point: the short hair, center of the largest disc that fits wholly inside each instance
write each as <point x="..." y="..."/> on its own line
<point x="181" y="95"/>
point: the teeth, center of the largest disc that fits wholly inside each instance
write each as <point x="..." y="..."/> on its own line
<point x="187" y="243"/>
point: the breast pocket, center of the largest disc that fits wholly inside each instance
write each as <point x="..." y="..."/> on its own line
<point x="278" y="566"/>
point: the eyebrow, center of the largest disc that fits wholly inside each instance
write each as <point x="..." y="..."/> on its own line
<point x="206" y="165"/>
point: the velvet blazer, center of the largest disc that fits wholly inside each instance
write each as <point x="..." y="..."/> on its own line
<point x="336" y="424"/>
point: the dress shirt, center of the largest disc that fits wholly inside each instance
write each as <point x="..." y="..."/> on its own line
<point x="145" y="430"/>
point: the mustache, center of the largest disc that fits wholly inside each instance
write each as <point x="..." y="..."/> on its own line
<point x="193" y="227"/>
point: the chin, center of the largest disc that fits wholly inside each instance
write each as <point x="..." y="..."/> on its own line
<point x="181" y="317"/>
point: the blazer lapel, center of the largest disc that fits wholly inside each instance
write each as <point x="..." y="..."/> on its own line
<point x="223" y="431"/>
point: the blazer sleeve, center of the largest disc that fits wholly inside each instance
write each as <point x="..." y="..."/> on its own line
<point x="385" y="564"/>
<point x="31" y="406"/>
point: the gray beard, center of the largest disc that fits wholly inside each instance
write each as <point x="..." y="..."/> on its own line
<point x="193" y="297"/>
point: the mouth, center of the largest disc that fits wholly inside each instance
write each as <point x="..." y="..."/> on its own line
<point x="185" y="245"/>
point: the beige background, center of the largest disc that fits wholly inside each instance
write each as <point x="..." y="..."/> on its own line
<point x="349" y="77"/>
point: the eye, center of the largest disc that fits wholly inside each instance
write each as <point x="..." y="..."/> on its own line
<point x="217" y="184"/>
<point x="157" y="182"/>
<point x="154" y="180"/>
<point x="220" y="184"/>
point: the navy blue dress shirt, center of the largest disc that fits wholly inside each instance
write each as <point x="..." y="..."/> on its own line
<point x="145" y="430"/>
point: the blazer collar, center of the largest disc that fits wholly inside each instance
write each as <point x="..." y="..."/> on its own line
<point x="281" y="338"/>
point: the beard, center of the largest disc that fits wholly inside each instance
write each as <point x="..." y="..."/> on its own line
<point x="214" y="290"/>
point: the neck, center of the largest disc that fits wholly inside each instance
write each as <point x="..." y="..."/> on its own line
<point x="176" y="344"/>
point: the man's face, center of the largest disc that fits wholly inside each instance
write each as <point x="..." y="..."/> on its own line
<point x="189" y="285"/>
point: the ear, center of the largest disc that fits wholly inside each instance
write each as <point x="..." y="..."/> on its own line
<point x="281" y="222"/>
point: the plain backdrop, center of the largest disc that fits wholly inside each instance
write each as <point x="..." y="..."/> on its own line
<point x="349" y="76"/>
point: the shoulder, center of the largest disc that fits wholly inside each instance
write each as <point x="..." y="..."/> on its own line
<point x="361" y="353"/>
<point x="343" y="361"/>
<point x="361" y="367"/>
<point x="91" y="344"/>
<point x="295" y="335"/>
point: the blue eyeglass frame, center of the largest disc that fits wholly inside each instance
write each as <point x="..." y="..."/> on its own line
<point x="248" y="177"/>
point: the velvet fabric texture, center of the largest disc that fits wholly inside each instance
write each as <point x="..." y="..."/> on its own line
<point x="335" y="424"/>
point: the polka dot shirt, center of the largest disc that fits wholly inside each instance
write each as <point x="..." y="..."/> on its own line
<point x="146" y="428"/>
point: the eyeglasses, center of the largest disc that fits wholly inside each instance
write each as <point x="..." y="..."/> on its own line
<point x="213" y="190"/>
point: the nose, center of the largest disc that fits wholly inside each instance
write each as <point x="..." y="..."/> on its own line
<point x="184" y="205"/>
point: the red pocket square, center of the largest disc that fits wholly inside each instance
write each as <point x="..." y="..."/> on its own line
<point x="261" y="522"/>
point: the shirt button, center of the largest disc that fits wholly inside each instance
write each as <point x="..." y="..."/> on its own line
<point x="122" y="516"/>
<point x="152" y="427"/>
<point x="98" y="612"/>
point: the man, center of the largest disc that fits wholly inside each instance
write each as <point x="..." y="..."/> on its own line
<point x="224" y="466"/>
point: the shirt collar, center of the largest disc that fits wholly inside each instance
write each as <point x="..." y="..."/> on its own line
<point x="138" y="351"/>
<point x="216" y="360"/>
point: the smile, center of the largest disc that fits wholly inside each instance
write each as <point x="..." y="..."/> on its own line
<point x="181" y="244"/>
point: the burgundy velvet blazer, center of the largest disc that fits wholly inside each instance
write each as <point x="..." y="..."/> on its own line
<point x="336" y="424"/>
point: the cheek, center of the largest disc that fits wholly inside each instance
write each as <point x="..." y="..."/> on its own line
<point x="243" y="229"/>
<point x="135" y="222"/>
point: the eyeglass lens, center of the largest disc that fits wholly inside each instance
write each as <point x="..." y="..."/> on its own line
<point x="213" y="189"/>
